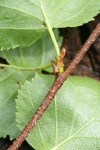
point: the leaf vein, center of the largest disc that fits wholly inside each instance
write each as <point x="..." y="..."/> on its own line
<point x="74" y="15"/>
<point x="73" y="135"/>
<point x="41" y="135"/>
<point x="56" y="118"/>
<point x="21" y="12"/>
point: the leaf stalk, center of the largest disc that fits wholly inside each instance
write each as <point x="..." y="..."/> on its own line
<point x="50" y="32"/>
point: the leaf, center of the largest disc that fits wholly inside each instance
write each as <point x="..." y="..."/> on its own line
<point x="12" y="79"/>
<point x="10" y="82"/>
<point x="38" y="55"/>
<point x="23" y="22"/>
<point x="72" y="121"/>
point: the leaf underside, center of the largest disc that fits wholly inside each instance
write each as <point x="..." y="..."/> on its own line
<point x="22" y="22"/>
<point x="12" y="79"/>
<point x="38" y="55"/>
<point x="72" y="120"/>
<point x="10" y="82"/>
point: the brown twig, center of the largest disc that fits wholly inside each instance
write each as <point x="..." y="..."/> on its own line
<point x="54" y="88"/>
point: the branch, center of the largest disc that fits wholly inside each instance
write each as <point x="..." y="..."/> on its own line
<point x="54" y="88"/>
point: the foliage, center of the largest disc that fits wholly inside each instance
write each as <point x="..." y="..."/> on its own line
<point x="23" y="63"/>
<point x="72" y="120"/>
<point x="35" y="56"/>
<point x="10" y="81"/>
<point x="23" y="22"/>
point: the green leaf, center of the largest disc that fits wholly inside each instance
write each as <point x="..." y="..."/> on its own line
<point x="23" y="22"/>
<point x="72" y="121"/>
<point x="10" y="82"/>
<point x="12" y="79"/>
<point x="39" y="55"/>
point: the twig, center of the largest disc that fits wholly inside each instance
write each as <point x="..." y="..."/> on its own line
<point x="54" y="88"/>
